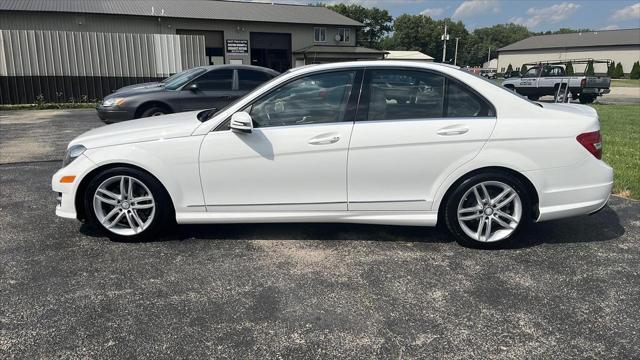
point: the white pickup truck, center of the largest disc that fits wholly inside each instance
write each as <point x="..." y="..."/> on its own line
<point x="544" y="80"/>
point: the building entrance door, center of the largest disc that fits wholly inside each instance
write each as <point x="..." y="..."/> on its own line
<point x="271" y="50"/>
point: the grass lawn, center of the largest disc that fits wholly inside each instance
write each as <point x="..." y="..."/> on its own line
<point x="620" y="129"/>
<point x="625" y="82"/>
<point x="45" y="106"/>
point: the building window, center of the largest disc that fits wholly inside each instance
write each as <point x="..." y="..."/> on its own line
<point x="319" y="34"/>
<point x="344" y="34"/>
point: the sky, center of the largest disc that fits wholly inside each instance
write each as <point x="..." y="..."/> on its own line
<point x="537" y="15"/>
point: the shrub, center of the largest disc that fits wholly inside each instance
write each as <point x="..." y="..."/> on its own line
<point x="589" y="70"/>
<point x="635" y="71"/>
<point x="569" y="69"/>
<point x="523" y="69"/>
<point x="618" y="72"/>
<point x="509" y="68"/>
<point x="611" y="68"/>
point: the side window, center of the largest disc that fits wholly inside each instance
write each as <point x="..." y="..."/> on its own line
<point x="216" y="80"/>
<point x="344" y="34"/>
<point x="532" y="73"/>
<point x="405" y="94"/>
<point x="462" y="102"/>
<point x="313" y="99"/>
<point x="249" y="79"/>
<point x="319" y="34"/>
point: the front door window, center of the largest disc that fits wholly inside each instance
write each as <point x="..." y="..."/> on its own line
<point x="314" y="99"/>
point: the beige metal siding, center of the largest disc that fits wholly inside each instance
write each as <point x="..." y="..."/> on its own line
<point x="64" y="53"/>
<point x="626" y="55"/>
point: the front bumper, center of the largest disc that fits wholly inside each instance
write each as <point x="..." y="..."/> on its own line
<point x="113" y="114"/>
<point x="66" y="192"/>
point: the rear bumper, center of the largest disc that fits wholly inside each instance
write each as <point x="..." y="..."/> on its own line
<point x="575" y="190"/>
<point x="596" y="91"/>
<point x="111" y="115"/>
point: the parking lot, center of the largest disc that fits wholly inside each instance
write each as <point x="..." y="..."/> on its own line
<point x="569" y="289"/>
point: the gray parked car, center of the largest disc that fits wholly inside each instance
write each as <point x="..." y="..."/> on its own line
<point x="206" y="87"/>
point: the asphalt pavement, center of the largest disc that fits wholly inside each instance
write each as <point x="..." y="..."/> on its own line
<point x="569" y="289"/>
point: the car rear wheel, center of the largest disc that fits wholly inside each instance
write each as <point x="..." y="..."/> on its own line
<point x="586" y="99"/>
<point x="488" y="210"/>
<point x="127" y="204"/>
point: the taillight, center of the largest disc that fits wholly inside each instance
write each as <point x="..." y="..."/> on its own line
<point x="592" y="141"/>
<point x="583" y="83"/>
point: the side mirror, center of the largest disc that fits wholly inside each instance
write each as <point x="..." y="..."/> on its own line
<point x="241" y="122"/>
<point x="193" y="87"/>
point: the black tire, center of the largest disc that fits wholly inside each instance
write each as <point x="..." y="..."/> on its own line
<point x="163" y="215"/>
<point x="154" y="111"/>
<point x="451" y="208"/>
<point x="586" y="99"/>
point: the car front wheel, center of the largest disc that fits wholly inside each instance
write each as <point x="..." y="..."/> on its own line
<point x="154" y="111"/>
<point x="128" y="204"/>
<point x="488" y="209"/>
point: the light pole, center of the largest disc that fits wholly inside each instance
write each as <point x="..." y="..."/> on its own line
<point x="455" y="57"/>
<point x="444" y="38"/>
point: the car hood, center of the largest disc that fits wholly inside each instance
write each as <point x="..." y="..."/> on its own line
<point x="139" y="130"/>
<point x="149" y="85"/>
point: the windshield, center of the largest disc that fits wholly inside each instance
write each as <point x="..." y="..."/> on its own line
<point x="177" y="80"/>
<point x="259" y="88"/>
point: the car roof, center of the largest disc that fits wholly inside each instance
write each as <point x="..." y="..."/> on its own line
<point x="374" y="63"/>
<point x="238" y="66"/>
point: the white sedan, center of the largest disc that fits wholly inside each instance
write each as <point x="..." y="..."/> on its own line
<point x="397" y="143"/>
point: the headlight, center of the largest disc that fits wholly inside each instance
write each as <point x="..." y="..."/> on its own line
<point x="72" y="154"/>
<point x="113" y="102"/>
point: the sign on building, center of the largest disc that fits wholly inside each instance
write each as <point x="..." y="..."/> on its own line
<point x="237" y="46"/>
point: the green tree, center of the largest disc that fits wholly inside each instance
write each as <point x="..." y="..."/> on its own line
<point x="619" y="72"/>
<point x="494" y="38"/>
<point x="377" y="23"/>
<point x="611" y="68"/>
<point x="422" y="33"/>
<point x="635" y="71"/>
<point x="589" y="70"/>
<point x="563" y="31"/>
<point x="569" y="69"/>
<point x="509" y="68"/>
<point x="523" y="69"/>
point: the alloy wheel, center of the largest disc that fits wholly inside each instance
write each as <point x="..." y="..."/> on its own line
<point x="489" y="211"/>
<point x="124" y="205"/>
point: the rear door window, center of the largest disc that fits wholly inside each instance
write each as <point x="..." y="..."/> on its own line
<point x="404" y="94"/>
<point x="216" y="80"/>
<point x="250" y="79"/>
<point x="397" y="94"/>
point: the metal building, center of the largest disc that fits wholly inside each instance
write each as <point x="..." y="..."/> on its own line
<point x="621" y="46"/>
<point x="61" y="49"/>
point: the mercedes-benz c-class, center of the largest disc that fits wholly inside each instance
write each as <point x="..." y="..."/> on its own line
<point x="397" y="143"/>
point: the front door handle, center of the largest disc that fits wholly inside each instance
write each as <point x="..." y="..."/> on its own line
<point x="324" y="140"/>
<point x="448" y="131"/>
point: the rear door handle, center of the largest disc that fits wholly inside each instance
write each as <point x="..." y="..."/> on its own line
<point x="325" y="140"/>
<point x="448" y="131"/>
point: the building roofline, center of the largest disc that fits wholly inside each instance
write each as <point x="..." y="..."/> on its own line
<point x="229" y="10"/>
<point x="574" y="40"/>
